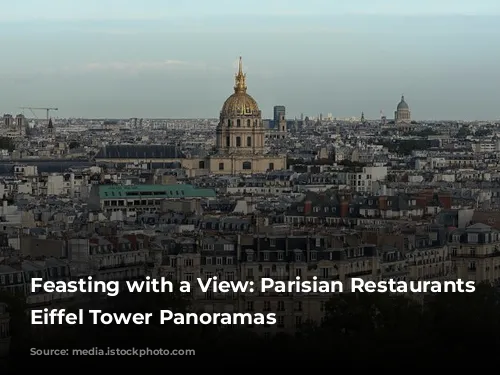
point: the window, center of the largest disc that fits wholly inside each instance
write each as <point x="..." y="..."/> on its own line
<point x="281" y="322"/>
<point x="188" y="277"/>
<point x="323" y="272"/>
<point x="266" y="256"/>
<point x="201" y="165"/>
<point x="238" y="123"/>
<point x="221" y="166"/>
<point x="208" y="260"/>
<point x="249" y="141"/>
<point x="250" y="257"/>
<point x="271" y="166"/>
<point x="281" y="305"/>
<point x="280" y="255"/>
<point x="229" y="123"/>
<point x="238" y="141"/>
<point x="229" y="260"/>
<point x="314" y="256"/>
<point x="248" y="123"/>
<point x="219" y="261"/>
<point x="272" y="242"/>
<point x="188" y="262"/>
<point x="472" y="238"/>
<point x="298" y="321"/>
<point x="267" y="305"/>
<point x="247" y="165"/>
<point x="250" y="306"/>
<point x="228" y="141"/>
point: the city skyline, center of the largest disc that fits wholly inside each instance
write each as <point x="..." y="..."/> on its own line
<point x="97" y="64"/>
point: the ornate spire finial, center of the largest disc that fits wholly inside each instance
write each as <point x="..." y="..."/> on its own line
<point x="240" y="84"/>
<point x="402" y="97"/>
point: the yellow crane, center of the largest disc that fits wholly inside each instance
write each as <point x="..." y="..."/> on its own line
<point x="47" y="109"/>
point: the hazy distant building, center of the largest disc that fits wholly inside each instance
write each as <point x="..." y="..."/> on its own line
<point x="8" y="121"/>
<point x="280" y="125"/>
<point x="279" y="114"/>
<point x="402" y="114"/>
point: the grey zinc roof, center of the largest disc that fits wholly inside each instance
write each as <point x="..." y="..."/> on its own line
<point x="140" y="152"/>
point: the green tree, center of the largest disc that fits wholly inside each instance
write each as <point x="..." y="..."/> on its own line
<point x="7" y="144"/>
<point x="73" y="144"/>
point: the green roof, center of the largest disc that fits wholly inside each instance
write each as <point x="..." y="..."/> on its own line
<point x="154" y="191"/>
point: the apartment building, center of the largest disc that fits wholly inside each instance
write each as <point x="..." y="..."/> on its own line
<point x="130" y="199"/>
<point x="475" y="252"/>
<point x="4" y="330"/>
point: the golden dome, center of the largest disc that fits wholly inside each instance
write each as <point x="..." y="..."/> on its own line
<point x="240" y="103"/>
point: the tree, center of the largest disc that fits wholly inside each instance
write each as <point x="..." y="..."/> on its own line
<point x="7" y="144"/>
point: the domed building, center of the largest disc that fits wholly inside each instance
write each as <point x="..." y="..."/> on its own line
<point x="240" y="135"/>
<point x="402" y="114"/>
<point x="240" y="143"/>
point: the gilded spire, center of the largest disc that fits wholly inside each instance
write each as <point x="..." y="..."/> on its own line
<point x="240" y="84"/>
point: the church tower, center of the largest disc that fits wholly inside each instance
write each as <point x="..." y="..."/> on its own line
<point x="240" y="136"/>
<point x="240" y="129"/>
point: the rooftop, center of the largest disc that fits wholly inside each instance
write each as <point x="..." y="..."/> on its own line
<point x="140" y="152"/>
<point x="158" y="191"/>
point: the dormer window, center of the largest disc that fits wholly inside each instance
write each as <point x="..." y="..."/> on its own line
<point x="472" y="238"/>
<point x="300" y="209"/>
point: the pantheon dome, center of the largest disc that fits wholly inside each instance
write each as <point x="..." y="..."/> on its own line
<point x="402" y="104"/>
<point x="240" y="103"/>
<point x="402" y="115"/>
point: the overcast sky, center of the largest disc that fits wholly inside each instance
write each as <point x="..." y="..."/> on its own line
<point x="160" y="58"/>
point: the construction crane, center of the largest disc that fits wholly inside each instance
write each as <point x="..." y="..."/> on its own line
<point x="40" y="108"/>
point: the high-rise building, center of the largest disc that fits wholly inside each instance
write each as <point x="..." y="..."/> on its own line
<point x="279" y="114"/>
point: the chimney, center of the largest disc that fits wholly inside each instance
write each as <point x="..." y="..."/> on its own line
<point x="382" y="203"/>
<point x="307" y="207"/>
<point x="445" y="200"/>
<point x="344" y="209"/>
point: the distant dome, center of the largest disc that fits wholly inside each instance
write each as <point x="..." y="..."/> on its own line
<point x="402" y="104"/>
<point x="240" y="103"/>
